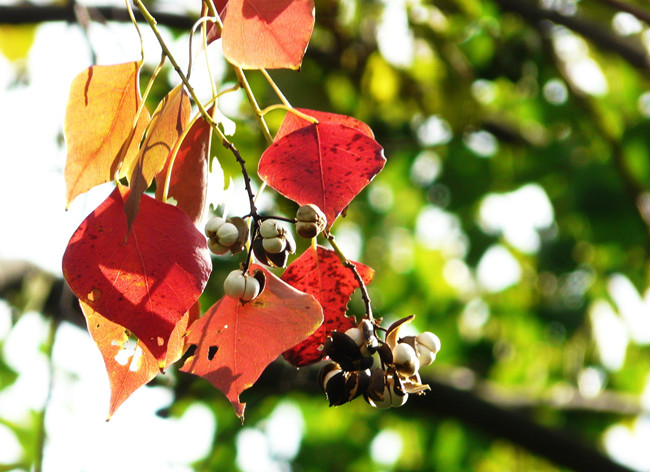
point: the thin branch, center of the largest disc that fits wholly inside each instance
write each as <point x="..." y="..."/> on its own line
<point x="29" y="14"/>
<point x="353" y="268"/>
<point x="605" y="39"/>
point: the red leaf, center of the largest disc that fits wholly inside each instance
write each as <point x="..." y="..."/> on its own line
<point x="236" y="341"/>
<point x="129" y="371"/>
<point x="326" y="164"/>
<point x="213" y="30"/>
<point x="292" y="122"/>
<point x="189" y="177"/>
<point x="269" y="34"/>
<point x="147" y="283"/>
<point x="167" y="125"/>
<point x="321" y="274"/>
<point x="102" y="106"/>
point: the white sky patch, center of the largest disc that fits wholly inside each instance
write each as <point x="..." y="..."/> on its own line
<point x="473" y="318"/>
<point x="386" y="448"/>
<point x="497" y="269"/>
<point x="394" y="37"/>
<point x="629" y="444"/>
<point x="643" y="104"/>
<point x="582" y="70"/>
<point x="441" y="230"/>
<point x="79" y="438"/>
<point x="632" y="307"/>
<point x="381" y="197"/>
<point x="434" y="131"/>
<point x="426" y="168"/>
<point x="518" y="215"/>
<point x="284" y="430"/>
<point x="610" y="334"/>
<point x="625" y="24"/>
<point x="349" y="238"/>
<point x="555" y="92"/>
<point x="482" y="143"/>
<point x="402" y="250"/>
<point x="459" y="276"/>
<point x="484" y="91"/>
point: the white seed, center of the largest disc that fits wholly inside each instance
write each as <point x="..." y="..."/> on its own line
<point x="307" y="230"/>
<point x="227" y="234"/>
<point x="398" y="400"/>
<point x="405" y="359"/>
<point x="271" y="228"/>
<point x="252" y="289"/>
<point x="403" y="353"/>
<point x="212" y="226"/>
<point x="384" y="404"/>
<point x="274" y="245"/>
<point x="428" y="340"/>
<point x="356" y="335"/>
<point x="426" y="357"/>
<point x="216" y="248"/>
<point x="235" y="284"/>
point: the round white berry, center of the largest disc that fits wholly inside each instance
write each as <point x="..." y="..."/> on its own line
<point x="405" y="359"/>
<point x="227" y="234"/>
<point x="428" y="340"/>
<point x="270" y="228"/>
<point x="213" y="225"/>
<point x="252" y="289"/>
<point x="274" y="245"/>
<point x="216" y="248"/>
<point x="235" y="284"/>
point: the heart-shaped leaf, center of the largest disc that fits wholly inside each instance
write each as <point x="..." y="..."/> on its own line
<point x="320" y="273"/>
<point x="131" y="367"/>
<point x="236" y="341"/>
<point x="267" y="34"/>
<point x="101" y="109"/>
<point x="326" y="164"/>
<point x="146" y="283"/>
<point x="292" y="122"/>
<point x="189" y="175"/>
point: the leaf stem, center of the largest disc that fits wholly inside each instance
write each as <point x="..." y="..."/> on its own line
<point x="353" y="268"/>
<point x="285" y="103"/>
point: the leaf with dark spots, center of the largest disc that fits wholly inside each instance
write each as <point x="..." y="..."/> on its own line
<point x="250" y="335"/>
<point x="293" y="122"/>
<point x="314" y="174"/>
<point x="147" y="283"/>
<point x="320" y="273"/>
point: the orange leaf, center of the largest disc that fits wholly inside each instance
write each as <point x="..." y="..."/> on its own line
<point x="128" y="371"/>
<point x="320" y="273"/>
<point x="101" y="109"/>
<point x="147" y="283"/>
<point x="236" y="341"/>
<point x="167" y="125"/>
<point x="269" y="34"/>
<point x="189" y="178"/>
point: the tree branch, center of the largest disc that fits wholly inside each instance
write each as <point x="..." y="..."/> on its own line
<point x="27" y="14"/>
<point x="602" y="38"/>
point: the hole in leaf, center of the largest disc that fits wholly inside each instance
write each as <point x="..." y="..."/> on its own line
<point x="212" y="351"/>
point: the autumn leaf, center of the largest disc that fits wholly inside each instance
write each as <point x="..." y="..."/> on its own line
<point x="326" y="164"/>
<point x="100" y="113"/>
<point x="167" y="125"/>
<point x="267" y="34"/>
<point x="292" y="122"/>
<point x="320" y="273"/>
<point x="147" y="283"/>
<point x="189" y="177"/>
<point x="214" y="31"/>
<point x="129" y="370"/>
<point x="236" y="341"/>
